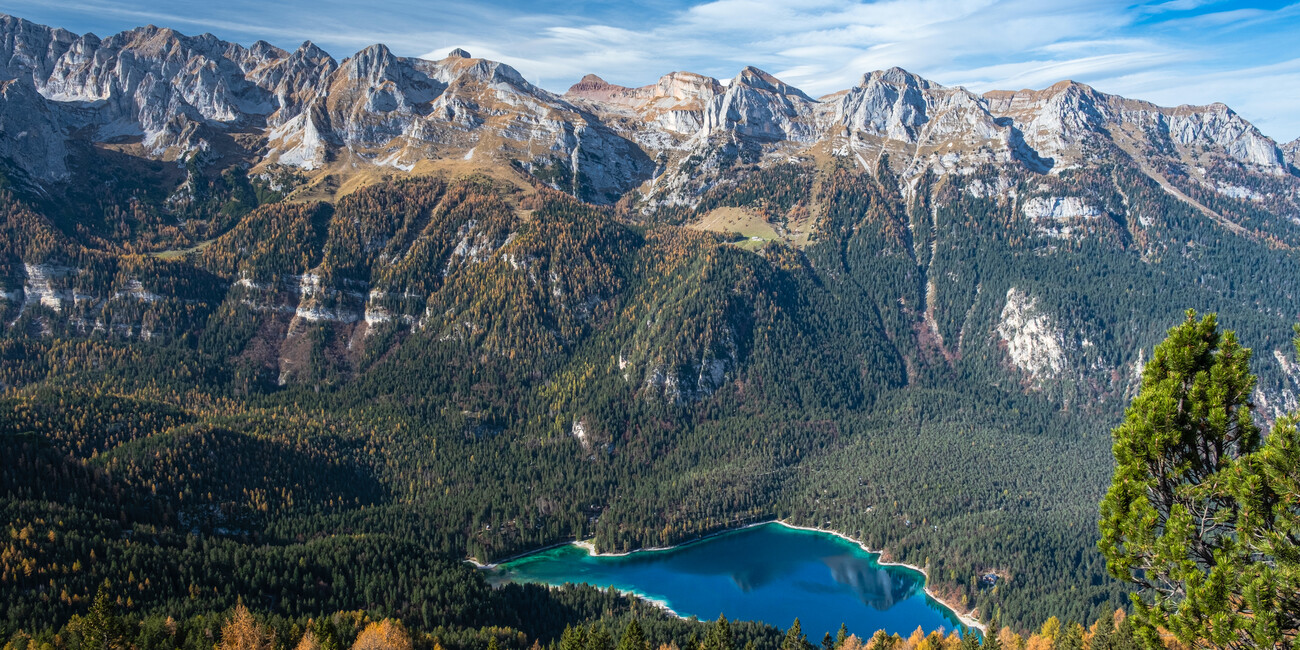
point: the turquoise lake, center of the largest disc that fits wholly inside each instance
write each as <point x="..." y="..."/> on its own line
<point x="768" y="573"/>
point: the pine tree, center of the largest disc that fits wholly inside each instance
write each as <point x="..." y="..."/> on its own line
<point x="794" y="638"/>
<point x="633" y="638"/>
<point x="1200" y="515"/>
<point x="1102" y="632"/>
<point x="1070" y="638"/>
<point x="101" y="628"/>
<point x="599" y="638"/>
<point x="968" y="639"/>
<point x="720" y="636"/>
<point x="573" y="638"/>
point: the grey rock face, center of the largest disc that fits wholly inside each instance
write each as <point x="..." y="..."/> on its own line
<point x="176" y="94"/>
<point x="1291" y="151"/>
<point x="758" y="105"/>
<point x="35" y="132"/>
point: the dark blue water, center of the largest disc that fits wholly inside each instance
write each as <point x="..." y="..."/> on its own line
<point x="767" y="573"/>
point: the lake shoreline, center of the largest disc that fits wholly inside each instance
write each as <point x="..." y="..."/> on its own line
<point x="964" y="617"/>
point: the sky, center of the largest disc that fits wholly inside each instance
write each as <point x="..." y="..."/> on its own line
<point x="1171" y="52"/>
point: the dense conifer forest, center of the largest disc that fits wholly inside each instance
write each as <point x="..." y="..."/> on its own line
<point x="320" y="410"/>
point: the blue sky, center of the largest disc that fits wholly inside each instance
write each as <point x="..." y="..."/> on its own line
<point x="1244" y="54"/>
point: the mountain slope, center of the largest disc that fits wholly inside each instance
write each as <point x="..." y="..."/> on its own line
<point x="492" y="318"/>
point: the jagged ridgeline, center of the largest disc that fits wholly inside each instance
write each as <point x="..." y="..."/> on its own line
<point x="266" y="312"/>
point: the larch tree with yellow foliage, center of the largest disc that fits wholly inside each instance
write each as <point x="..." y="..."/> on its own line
<point x="387" y="634"/>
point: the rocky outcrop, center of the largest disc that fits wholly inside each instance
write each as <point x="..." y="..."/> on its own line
<point x="675" y="105"/>
<point x="1034" y="341"/>
<point x="898" y="105"/>
<point x="1069" y="122"/>
<point x="1282" y="397"/>
<point x="1060" y="216"/>
<point x="35" y="132"/>
<point x="760" y="106"/>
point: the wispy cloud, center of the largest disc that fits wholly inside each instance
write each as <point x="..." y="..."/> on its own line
<point x="1175" y="51"/>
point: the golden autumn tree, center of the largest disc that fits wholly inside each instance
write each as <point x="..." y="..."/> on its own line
<point x="308" y="641"/>
<point x="387" y="634"/>
<point x="243" y="632"/>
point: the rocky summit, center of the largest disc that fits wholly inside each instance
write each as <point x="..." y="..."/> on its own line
<point x="172" y="95"/>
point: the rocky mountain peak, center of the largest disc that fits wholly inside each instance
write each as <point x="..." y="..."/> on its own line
<point x="309" y="50"/>
<point x="264" y="50"/>
<point x="898" y="77"/>
<point x="175" y="93"/>
<point x="752" y="77"/>
<point x="594" y="88"/>
<point x="757" y="105"/>
<point x="154" y="41"/>
<point x="1067" y="85"/>
<point x="674" y="92"/>
<point x="29" y="50"/>
<point x="369" y="63"/>
<point x="688" y="87"/>
<point x="902" y="107"/>
<point x="1292" y="152"/>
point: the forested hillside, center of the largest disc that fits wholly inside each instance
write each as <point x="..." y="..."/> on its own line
<point x="476" y="369"/>
<point x="267" y="360"/>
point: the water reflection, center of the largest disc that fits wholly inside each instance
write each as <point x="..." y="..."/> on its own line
<point x="874" y="585"/>
<point x="768" y="573"/>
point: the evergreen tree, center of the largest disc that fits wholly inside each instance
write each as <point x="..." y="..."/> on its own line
<point x="794" y="638"/>
<point x="842" y="635"/>
<point x="574" y="637"/>
<point x="101" y="628"/>
<point x="1200" y="515"/>
<point x="599" y="638"/>
<point x="633" y="638"/>
<point x="720" y="636"/>
<point x="968" y="639"/>
<point x="1070" y="638"/>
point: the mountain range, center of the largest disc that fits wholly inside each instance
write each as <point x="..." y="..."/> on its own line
<point x="315" y="128"/>
<point x="507" y="317"/>
<point x="173" y="95"/>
